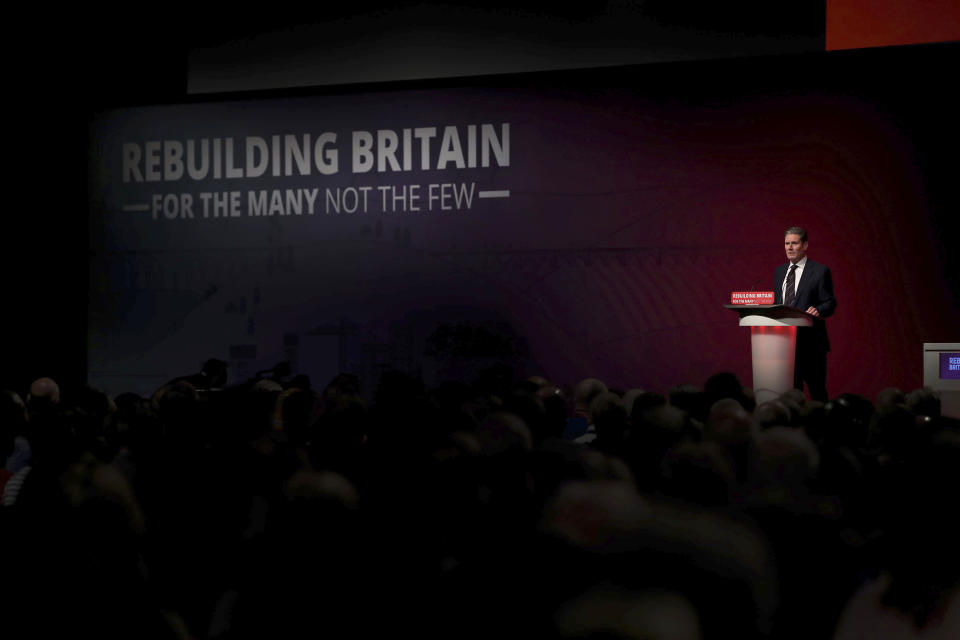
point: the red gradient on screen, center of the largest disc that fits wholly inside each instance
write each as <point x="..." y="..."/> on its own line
<point x="854" y="24"/>
<point x="655" y="317"/>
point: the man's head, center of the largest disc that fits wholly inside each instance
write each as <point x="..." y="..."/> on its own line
<point x="44" y="397"/>
<point x="216" y="371"/>
<point x="795" y="243"/>
<point x="586" y="391"/>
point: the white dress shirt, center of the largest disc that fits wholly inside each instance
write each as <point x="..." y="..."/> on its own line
<point x="796" y="278"/>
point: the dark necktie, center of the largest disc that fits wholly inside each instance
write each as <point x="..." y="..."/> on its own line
<point x="791" y="290"/>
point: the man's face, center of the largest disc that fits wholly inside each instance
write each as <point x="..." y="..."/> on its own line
<point x="795" y="249"/>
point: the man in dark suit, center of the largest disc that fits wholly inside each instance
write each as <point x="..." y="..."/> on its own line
<point x="807" y="285"/>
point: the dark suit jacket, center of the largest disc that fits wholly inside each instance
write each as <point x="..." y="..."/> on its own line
<point x="815" y="290"/>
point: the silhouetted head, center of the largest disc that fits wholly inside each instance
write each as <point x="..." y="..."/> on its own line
<point x="794" y="399"/>
<point x="728" y="424"/>
<point x="697" y="472"/>
<point x="724" y="385"/>
<point x="924" y="402"/>
<point x="646" y="401"/>
<point x="771" y="414"/>
<point x="503" y="432"/>
<point x="690" y="398"/>
<point x="889" y="399"/>
<point x="538" y="381"/>
<point x="660" y="427"/>
<point x="178" y="407"/>
<point x="44" y="395"/>
<point x="216" y="371"/>
<point x="609" y="417"/>
<point x="585" y="391"/>
<point x="784" y="457"/>
<point x="628" y="398"/>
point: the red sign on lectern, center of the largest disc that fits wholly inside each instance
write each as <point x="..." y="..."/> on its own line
<point x="751" y="297"/>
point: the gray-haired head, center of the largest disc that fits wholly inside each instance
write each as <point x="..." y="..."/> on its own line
<point x="800" y="231"/>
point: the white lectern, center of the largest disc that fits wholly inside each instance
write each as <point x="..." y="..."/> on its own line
<point x="773" y="340"/>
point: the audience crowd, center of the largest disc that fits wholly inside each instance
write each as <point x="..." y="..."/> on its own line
<point x="493" y="508"/>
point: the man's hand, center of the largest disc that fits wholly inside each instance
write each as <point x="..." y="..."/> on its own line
<point x="813" y="311"/>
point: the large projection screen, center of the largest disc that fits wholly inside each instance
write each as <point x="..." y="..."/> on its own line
<point x="572" y="225"/>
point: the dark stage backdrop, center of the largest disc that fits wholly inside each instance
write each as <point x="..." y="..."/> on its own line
<point x="575" y="224"/>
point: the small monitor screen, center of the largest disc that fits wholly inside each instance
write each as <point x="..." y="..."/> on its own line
<point x="950" y="366"/>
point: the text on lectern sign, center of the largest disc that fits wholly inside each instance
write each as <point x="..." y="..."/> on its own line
<point x="950" y="366"/>
<point x="751" y="297"/>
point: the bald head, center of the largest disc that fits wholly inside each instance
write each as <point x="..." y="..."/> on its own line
<point x="44" y="398"/>
<point x="45" y="390"/>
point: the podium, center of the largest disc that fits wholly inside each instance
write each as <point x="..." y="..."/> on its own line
<point x="773" y="341"/>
